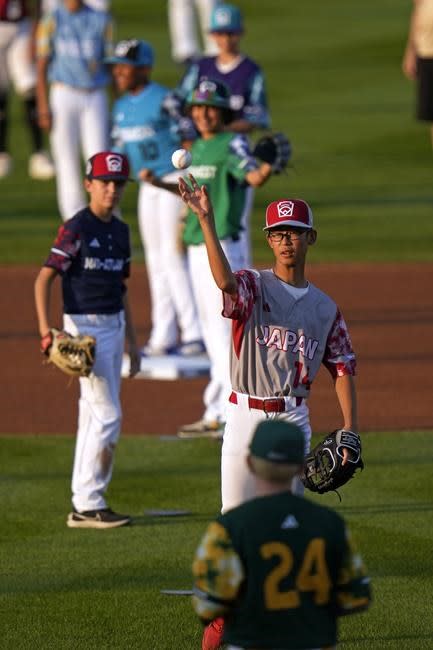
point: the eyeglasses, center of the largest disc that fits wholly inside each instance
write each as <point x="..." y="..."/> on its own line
<point x="291" y="235"/>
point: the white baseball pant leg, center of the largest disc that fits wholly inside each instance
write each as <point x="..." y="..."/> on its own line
<point x="182" y="22"/>
<point x="78" y="117"/>
<point x="215" y="328"/>
<point x="99" y="411"/>
<point x="204" y="8"/>
<point x="172" y="299"/>
<point x="237" y="482"/>
<point x="21" y="68"/>
<point x="94" y="125"/>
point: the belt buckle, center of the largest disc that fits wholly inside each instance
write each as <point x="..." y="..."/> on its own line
<point x="271" y="400"/>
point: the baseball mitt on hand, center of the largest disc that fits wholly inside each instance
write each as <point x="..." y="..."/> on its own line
<point x="323" y="468"/>
<point x="74" y="355"/>
<point x="274" y="149"/>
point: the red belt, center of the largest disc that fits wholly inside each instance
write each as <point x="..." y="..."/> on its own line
<point x="269" y="404"/>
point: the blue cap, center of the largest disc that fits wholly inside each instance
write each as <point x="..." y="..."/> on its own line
<point x="132" y="52"/>
<point x="209" y="93"/>
<point x="226" y="18"/>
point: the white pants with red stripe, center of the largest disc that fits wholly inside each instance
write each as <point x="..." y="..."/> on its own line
<point x="99" y="410"/>
<point x="237" y="482"/>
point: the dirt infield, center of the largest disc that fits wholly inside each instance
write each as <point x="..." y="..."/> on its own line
<point x="389" y="309"/>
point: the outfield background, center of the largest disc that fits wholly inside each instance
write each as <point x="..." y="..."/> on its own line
<point x="365" y="165"/>
<point x="335" y="87"/>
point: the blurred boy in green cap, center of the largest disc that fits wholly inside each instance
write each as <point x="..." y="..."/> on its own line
<point x="278" y="570"/>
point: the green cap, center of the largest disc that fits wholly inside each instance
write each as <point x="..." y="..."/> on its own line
<point x="278" y="442"/>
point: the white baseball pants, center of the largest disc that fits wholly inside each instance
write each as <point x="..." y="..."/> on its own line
<point x="216" y="329"/>
<point x="173" y="306"/>
<point x="99" y="409"/>
<point x="184" y="18"/>
<point x="15" y="60"/>
<point x="80" y="124"/>
<point x="237" y="482"/>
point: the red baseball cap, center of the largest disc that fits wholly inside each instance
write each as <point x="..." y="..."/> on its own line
<point x="288" y="212"/>
<point x="108" y="166"/>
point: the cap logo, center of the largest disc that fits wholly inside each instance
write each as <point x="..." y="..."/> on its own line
<point x="207" y="86"/>
<point x="88" y="167"/>
<point x="127" y="48"/>
<point x="114" y="163"/>
<point x="285" y="209"/>
<point x="223" y="17"/>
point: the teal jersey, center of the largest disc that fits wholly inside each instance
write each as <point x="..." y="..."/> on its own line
<point x="222" y="164"/>
<point x="144" y="131"/>
<point x="280" y="569"/>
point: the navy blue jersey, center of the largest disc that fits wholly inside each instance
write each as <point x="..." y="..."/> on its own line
<point x="93" y="257"/>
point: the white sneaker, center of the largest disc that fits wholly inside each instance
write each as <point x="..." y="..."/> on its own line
<point x="151" y="351"/>
<point x="41" y="167"/>
<point x="5" y="164"/>
<point x="192" y="349"/>
<point x="202" y="429"/>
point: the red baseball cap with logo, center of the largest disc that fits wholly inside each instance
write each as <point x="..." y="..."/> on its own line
<point x="288" y="212"/>
<point x="108" y="166"/>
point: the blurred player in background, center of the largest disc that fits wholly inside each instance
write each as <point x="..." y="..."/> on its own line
<point x="92" y="255"/>
<point x="18" y="21"/>
<point x="73" y="41"/>
<point x="184" y="18"/>
<point x="99" y="5"/>
<point x="242" y="76"/>
<point x="238" y="72"/>
<point x="223" y="162"/>
<point x="418" y="58"/>
<point x="277" y="571"/>
<point x="145" y="132"/>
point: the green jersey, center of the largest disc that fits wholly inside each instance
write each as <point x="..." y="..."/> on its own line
<point x="280" y="569"/>
<point x="221" y="164"/>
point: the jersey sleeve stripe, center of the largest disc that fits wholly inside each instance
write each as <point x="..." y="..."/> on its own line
<point x="57" y="251"/>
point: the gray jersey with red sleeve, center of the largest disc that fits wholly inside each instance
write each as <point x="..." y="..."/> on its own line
<point x="279" y="341"/>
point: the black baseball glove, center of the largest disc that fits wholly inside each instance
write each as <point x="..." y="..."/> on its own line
<point x="274" y="149"/>
<point x="323" y="469"/>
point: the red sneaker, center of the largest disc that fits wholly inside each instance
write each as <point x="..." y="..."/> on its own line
<point x="213" y="635"/>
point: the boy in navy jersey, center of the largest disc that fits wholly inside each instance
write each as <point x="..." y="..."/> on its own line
<point x="92" y="255"/>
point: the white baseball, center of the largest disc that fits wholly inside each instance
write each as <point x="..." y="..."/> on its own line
<point x="181" y="159"/>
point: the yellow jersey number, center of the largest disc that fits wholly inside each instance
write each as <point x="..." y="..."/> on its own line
<point x="313" y="575"/>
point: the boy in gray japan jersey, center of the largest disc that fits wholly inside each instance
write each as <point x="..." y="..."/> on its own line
<point x="283" y="329"/>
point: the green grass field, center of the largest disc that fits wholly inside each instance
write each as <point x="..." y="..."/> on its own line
<point x="63" y="588"/>
<point x="336" y="88"/>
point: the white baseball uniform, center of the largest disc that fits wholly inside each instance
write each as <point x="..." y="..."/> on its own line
<point x="145" y="132"/>
<point x="280" y="337"/>
<point x="222" y="164"/>
<point x="93" y="258"/>
<point x="76" y="44"/>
